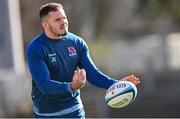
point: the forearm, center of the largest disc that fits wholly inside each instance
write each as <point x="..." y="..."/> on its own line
<point x="95" y="76"/>
<point x="50" y="87"/>
<point x="41" y="76"/>
<point x="98" y="79"/>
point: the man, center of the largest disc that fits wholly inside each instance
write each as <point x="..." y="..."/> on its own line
<point x="59" y="62"/>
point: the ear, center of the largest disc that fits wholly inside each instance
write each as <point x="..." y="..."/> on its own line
<point x="44" y="24"/>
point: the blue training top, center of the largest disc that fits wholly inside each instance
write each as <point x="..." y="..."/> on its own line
<point x="52" y="64"/>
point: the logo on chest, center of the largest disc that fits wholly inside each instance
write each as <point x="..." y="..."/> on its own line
<point x="72" y="51"/>
<point x="52" y="57"/>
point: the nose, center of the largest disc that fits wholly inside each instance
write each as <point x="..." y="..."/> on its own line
<point x="64" y="19"/>
<point x="63" y="22"/>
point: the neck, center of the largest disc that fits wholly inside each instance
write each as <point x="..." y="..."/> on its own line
<point x="51" y="35"/>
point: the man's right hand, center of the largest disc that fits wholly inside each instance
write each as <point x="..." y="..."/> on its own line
<point x="79" y="79"/>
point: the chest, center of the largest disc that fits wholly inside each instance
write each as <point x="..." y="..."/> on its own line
<point x="62" y="60"/>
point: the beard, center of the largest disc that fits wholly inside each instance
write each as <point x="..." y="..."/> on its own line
<point x="65" y="33"/>
<point x="56" y="33"/>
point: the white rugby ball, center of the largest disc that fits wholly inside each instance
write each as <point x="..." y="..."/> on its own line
<point x="120" y="94"/>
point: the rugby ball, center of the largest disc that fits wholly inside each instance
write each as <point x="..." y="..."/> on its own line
<point x="120" y="94"/>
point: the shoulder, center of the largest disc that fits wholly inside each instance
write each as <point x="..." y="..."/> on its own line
<point x="79" y="42"/>
<point x="75" y="38"/>
<point x="72" y="35"/>
<point x="35" y="45"/>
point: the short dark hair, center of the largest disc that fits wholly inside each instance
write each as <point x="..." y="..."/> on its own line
<point x="49" y="7"/>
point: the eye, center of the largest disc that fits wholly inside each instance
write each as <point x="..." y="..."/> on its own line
<point x="58" y="19"/>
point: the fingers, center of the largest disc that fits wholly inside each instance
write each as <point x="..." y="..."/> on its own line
<point x="75" y="76"/>
<point x="80" y="74"/>
<point x="79" y="79"/>
<point x="132" y="79"/>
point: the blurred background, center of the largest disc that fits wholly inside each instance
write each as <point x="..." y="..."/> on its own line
<point x="140" y="37"/>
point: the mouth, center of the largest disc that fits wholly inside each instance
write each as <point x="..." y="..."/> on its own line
<point x="64" y="26"/>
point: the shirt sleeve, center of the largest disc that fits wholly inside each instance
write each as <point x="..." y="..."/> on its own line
<point x="94" y="75"/>
<point x="41" y="75"/>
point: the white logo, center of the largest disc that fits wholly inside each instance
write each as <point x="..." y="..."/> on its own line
<point x="52" y="57"/>
<point x="72" y="51"/>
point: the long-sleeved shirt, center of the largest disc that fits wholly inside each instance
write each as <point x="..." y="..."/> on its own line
<point x="52" y="63"/>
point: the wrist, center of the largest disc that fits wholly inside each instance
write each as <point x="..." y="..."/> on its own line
<point x="70" y="88"/>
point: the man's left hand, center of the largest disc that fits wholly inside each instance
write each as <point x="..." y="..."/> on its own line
<point x="132" y="79"/>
